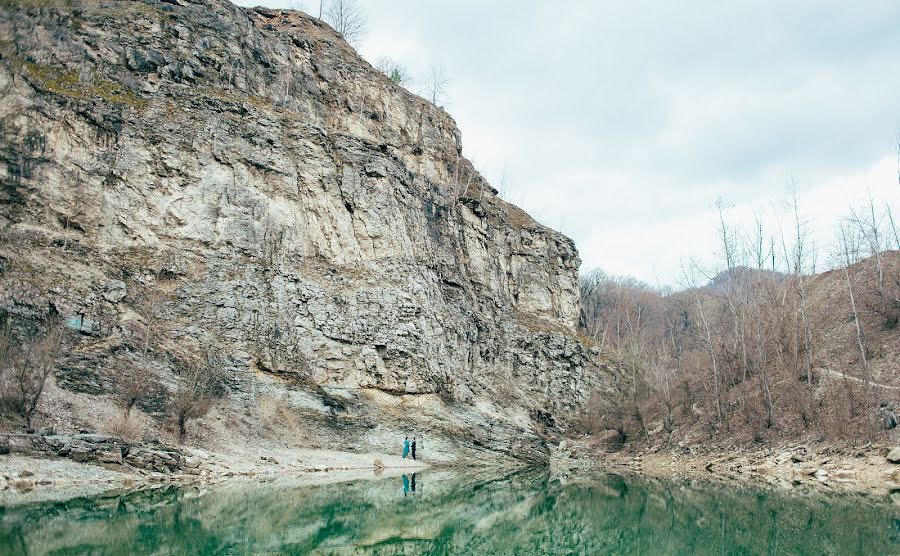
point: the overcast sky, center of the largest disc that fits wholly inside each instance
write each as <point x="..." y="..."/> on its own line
<point x="620" y="122"/>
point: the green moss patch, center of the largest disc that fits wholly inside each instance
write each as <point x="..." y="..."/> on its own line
<point x="68" y="83"/>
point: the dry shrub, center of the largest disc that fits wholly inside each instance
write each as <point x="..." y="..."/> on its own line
<point x="125" y="429"/>
<point x="849" y="413"/>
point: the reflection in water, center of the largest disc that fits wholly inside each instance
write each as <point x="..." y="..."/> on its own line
<point x="525" y="513"/>
<point x="407" y="486"/>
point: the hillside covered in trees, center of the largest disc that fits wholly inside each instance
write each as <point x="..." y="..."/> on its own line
<point x="764" y="350"/>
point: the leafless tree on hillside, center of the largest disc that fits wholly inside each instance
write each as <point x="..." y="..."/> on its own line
<point x="797" y="259"/>
<point x="868" y="224"/>
<point x="26" y="365"/>
<point x="347" y="18"/>
<point x="849" y="255"/>
<point x="135" y="379"/>
<point x="893" y="226"/>
<point x="134" y="382"/>
<point x="711" y="350"/>
<point x="194" y="396"/>
<point x="436" y="87"/>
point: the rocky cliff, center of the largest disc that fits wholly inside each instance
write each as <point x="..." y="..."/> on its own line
<point x="298" y="214"/>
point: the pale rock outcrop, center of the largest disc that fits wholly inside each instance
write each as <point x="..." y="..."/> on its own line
<point x="306" y="219"/>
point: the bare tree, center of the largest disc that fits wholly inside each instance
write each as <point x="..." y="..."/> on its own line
<point x="868" y="224"/>
<point x="347" y="18"/>
<point x="711" y="350"/>
<point x="194" y="397"/>
<point x="748" y="338"/>
<point x="893" y="229"/>
<point x="26" y="365"/>
<point x="849" y="254"/>
<point x="395" y="71"/>
<point x="436" y="87"/>
<point x="135" y="379"/>
<point x="134" y="383"/>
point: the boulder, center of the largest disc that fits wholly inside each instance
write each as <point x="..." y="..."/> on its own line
<point x="110" y="456"/>
<point x="115" y="291"/>
<point x="191" y="462"/>
<point x="844" y="474"/>
<point x="22" y="484"/>
<point x="19" y="443"/>
<point x="894" y="455"/>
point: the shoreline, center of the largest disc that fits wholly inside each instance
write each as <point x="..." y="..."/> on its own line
<point x="864" y="471"/>
<point x="28" y="479"/>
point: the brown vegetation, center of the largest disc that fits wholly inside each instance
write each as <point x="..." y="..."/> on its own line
<point x="27" y="358"/>
<point x="762" y="350"/>
<point x="125" y="429"/>
<point x="194" y="396"/>
<point x="135" y="378"/>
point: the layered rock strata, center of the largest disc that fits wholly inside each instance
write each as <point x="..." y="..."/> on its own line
<point x="310" y="222"/>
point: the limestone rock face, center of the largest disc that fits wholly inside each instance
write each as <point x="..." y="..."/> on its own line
<point x="312" y="223"/>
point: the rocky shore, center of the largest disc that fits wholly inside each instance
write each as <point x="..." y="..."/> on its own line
<point x="55" y="467"/>
<point x="868" y="469"/>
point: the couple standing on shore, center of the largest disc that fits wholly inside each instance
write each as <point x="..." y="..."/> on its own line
<point x="407" y="447"/>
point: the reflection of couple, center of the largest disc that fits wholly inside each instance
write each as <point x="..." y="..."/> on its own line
<point x="406" y="484"/>
<point x="407" y="446"/>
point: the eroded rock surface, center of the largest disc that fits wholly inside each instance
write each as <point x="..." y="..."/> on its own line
<point x="305" y="218"/>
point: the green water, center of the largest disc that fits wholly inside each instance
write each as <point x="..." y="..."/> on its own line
<point x="524" y="513"/>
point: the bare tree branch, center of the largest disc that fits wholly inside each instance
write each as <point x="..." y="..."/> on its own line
<point x="347" y="18"/>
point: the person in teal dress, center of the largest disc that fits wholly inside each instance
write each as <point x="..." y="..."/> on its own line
<point x="405" y="447"/>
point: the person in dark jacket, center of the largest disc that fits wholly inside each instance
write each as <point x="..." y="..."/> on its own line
<point x="414" y="448"/>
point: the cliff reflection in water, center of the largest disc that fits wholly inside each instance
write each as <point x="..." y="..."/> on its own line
<point x="524" y="513"/>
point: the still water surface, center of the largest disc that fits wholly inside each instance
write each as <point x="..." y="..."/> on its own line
<point x="443" y="513"/>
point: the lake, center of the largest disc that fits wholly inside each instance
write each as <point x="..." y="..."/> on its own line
<point x="441" y="512"/>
